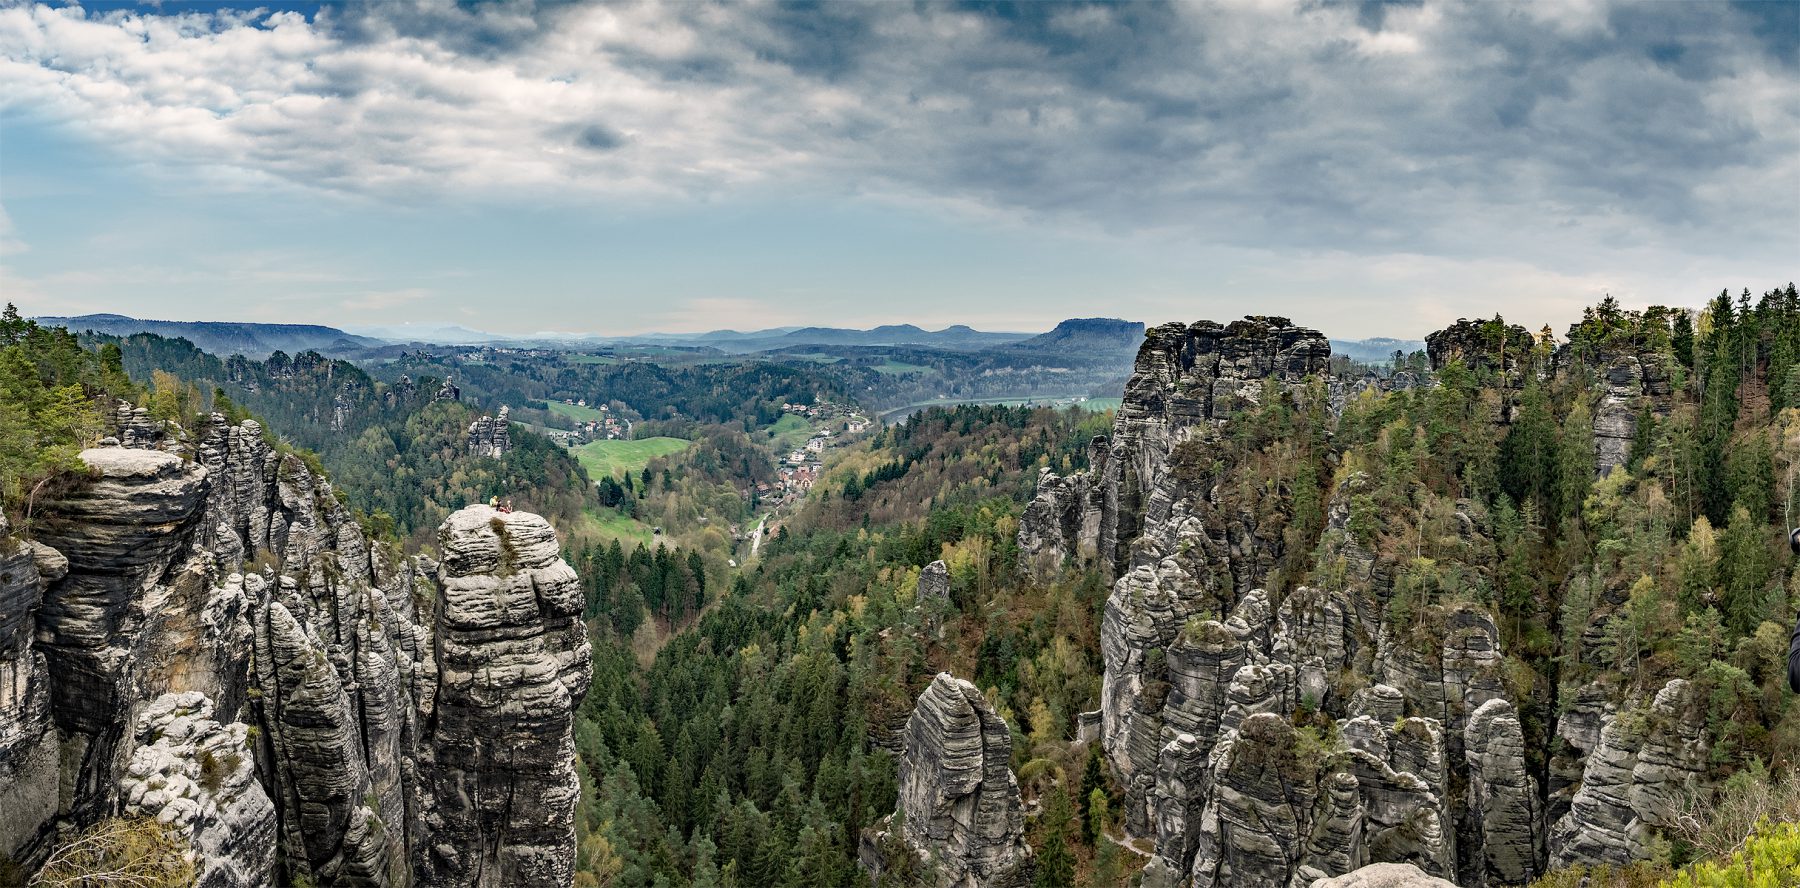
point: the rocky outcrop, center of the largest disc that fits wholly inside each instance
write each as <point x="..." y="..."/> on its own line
<point x="1384" y="875"/>
<point x="1490" y="346"/>
<point x="1648" y="760"/>
<point x="1259" y="813"/>
<point x="490" y="436"/>
<point x="197" y="777"/>
<point x="202" y="634"/>
<point x="28" y="739"/>
<point x="1185" y="376"/>
<point x="1503" y="799"/>
<point x="934" y="585"/>
<point x="1630" y="381"/>
<point x="1061" y="523"/>
<point x="959" y="811"/>
<point x="514" y="661"/>
<point x="448" y="392"/>
<point x="133" y="426"/>
<point x="1435" y="763"/>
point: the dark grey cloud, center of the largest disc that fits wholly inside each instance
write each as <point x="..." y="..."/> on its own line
<point x="1475" y="129"/>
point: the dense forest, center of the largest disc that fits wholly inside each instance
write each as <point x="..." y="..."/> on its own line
<point x="742" y="754"/>
<point x="751" y="746"/>
<point x="748" y="394"/>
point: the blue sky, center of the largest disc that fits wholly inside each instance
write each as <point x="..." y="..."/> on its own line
<point x="1368" y="169"/>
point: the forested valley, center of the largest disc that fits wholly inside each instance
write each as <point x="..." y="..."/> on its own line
<point x="1612" y="501"/>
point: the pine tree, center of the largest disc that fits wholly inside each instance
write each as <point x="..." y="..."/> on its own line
<point x="1055" y="862"/>
<point x="1528" y="453"/>
<point x="1745" y="562"/>
<point x="1575" y="462"/>
<point x="1682" y="339"/>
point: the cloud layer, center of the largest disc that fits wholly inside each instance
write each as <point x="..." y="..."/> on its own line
<point x="1534" y="133"/>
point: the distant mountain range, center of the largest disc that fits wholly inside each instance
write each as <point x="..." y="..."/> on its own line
<point x="435" y="334"/>
<point x="224" y="337"/>
<point x="1075" y="335"/>
<point x="1378" y="350"/>
<point x="1087" y="335"/>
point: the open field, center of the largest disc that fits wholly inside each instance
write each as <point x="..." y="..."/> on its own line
<point x="788" y="432"/>
<point x="606" y="524"/>
<point x="892" y="367"/>
<point x="615" y="458"/>
<point x="574" y="411"/>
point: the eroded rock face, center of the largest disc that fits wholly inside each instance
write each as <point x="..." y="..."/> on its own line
<point x="934" y="585"/>
<point x="490" y="436"/>
<point x="1432" y="765"/>
<point x="1503" y="798"/>
<point x="1647" y="760"/>
<point x="1630" y="380"/>
<point x="1385" y="875"/>
<point x="1481" y="345"/>
<point x="1061" y="522"/>
<point x="198" y="778"/>
<point x="959" y="805"/>
<point x="335" y="714"/>
<point x="28" y="742"/>
<point x="1184" y="376"/>
<point x="514" y="661"/>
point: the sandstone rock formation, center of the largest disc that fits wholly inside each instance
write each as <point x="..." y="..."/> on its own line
<point x="1647" y="760"/>
<point x="1630" y="381"/>
<point x="513" y="662"/>
<point x="490" y="436"/>
<point x="959" y="811"/>
<point x="198" y="777"/>
<point x="1384" y="875"/>
<point x="202" y="634"/>
<point x="934" y="585"/>
<point x="1207" y="675"/>
<point x="1482" y="345"/>
<point x="1185" y="376"/>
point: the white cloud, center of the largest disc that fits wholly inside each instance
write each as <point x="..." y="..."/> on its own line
<point x="1559" y="138"/>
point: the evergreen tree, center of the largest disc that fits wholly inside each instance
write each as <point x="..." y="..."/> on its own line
<point x="1681" y="340"/>
<point x="1055" y="861"/>
<point x="1528" y="453"/>
<point x="1575" y="462"/>
<point x="1746" y="564"/>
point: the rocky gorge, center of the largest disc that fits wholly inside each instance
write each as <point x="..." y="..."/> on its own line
<point x="198" y="631"/>
<point x="1272" y="716"/>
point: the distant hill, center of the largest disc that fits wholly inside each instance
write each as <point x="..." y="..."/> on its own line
<point x="1087" y="334"/>
<point x="1379" y="350"/>
<point x="958" y="337"/>
<point x="437" y="334"/>
<point x="224" y="337"/>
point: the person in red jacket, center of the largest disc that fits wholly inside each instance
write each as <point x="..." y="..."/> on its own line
<point x="1794" y="642"/>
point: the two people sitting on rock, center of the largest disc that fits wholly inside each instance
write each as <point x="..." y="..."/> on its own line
<point x="495" y="504"/>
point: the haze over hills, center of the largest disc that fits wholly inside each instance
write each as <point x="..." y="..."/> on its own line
<point x="1074" y="335"/>
<point x="224" y="337"/>
<point x="1378" y="350"/>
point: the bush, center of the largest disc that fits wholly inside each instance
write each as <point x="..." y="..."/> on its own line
<point x="1770" y="859"/>
<point x="1718" y="828"/>
<point x="120" y="852"/>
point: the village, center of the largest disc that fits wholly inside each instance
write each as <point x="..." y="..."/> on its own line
<point x="801" y="467"/>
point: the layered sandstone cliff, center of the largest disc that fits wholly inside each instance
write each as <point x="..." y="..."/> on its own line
<point x="202" y="634"/>
<point x="959" y="817"/>
<point x="1277" y="740"/>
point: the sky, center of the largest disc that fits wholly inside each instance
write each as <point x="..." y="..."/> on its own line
<point x="1367" y="169"/>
